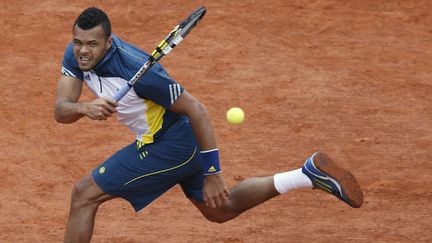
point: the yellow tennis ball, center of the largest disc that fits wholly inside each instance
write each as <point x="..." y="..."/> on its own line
<point x="235" y="116"/>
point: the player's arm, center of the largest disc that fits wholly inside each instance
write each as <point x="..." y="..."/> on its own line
<point x="68" y="109"/>
<point x="197" y="113"/>
<point x="215" y="190"/>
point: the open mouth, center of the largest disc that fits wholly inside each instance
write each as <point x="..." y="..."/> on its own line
<point x="84" y="61"/>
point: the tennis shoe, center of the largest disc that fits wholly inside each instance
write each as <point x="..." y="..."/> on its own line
<point x="326" y="175"/>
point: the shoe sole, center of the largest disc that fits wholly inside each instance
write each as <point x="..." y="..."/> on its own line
<point x="347" y="181"/>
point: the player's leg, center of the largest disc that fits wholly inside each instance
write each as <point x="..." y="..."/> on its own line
<point x="319" y="171"/>
<point x="105" y="182"/>
<point x="86" y="197"/>
<point x="245" y="195"/>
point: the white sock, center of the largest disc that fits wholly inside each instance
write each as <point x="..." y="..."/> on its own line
<point x="284" y="182"/>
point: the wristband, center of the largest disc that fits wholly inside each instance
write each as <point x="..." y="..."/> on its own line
<point x="210" y="161"/>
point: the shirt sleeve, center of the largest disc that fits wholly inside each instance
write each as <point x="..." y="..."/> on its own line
<point x="158" y="86"/>
<point x="70" y="65"/>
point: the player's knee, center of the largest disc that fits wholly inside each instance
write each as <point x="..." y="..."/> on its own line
<point x="220" y="219"/>
<point x="221" y="216"/>
<point x="81" y="197"/>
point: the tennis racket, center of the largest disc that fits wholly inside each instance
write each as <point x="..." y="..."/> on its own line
<point x="165" y="47"/>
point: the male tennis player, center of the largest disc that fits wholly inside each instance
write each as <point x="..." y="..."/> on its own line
<point x="174" y="143"/>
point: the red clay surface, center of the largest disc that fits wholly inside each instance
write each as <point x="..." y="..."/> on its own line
<point x="349" y="78"/>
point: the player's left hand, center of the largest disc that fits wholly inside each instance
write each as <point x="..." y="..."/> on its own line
<point x="215" y="190"/>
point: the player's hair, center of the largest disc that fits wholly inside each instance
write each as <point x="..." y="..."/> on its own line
<point x="92" y="17"/>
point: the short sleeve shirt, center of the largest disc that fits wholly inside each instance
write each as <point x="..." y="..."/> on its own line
<point x="145" y="109"/>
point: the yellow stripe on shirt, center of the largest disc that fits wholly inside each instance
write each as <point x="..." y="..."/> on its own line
<point x="154" y="116"/>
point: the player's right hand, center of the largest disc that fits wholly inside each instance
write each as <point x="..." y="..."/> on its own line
<point x="100" y="109"/>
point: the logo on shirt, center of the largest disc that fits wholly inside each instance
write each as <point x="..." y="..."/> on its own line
<point x="87" y="76"/>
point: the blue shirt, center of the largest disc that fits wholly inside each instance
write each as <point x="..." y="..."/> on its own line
<point x="145" y="109"/>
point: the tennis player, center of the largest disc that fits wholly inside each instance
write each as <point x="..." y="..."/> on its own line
<point x="174" y="141"/>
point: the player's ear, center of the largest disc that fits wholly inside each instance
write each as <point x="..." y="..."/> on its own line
<point x="109" y="42"/>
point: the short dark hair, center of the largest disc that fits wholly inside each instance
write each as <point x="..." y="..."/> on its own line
<point x="92" y="17"/>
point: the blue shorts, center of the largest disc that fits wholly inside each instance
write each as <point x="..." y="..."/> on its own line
<point x="142" y="175"/>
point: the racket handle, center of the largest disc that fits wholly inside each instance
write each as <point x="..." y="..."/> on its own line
<point x="119" y="95"/>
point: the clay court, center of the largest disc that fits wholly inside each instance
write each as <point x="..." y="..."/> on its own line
<point x="349" y="78"/>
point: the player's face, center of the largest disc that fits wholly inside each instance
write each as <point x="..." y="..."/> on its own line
<point x="90" y="46"/>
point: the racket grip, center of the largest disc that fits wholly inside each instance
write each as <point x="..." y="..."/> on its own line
<point x="119" y="95"/>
